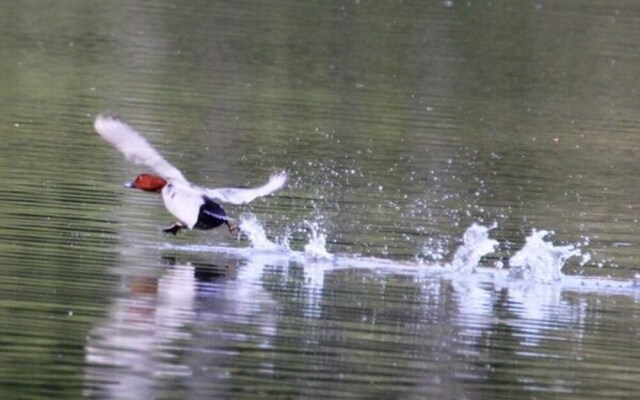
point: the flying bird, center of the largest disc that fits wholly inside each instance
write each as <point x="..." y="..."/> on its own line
<point x="195" y="207"/>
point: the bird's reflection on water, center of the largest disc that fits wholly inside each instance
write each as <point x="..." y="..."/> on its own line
<point x="161" y="327"/>
<point x="220" y="322"/>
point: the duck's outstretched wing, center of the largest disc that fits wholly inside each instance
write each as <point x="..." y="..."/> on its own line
<point x="246" y="195"/>
<point x="134" y="147"/>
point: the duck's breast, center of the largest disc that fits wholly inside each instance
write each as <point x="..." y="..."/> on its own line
<point x="182" y="203"/>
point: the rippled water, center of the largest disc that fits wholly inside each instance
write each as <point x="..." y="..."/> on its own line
<point x="461" y="219"/>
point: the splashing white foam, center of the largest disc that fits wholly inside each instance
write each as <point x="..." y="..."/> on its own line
<point x="317" y="245"/>
<point x="476" y="244"/>
<point x="540" y="261"/>
<point x="253" y="230"/>
<point x="255" y="233"/>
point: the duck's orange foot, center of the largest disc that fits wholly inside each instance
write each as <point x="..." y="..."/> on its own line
<point x="173" y="229"/>
<point x="234" y="229"/>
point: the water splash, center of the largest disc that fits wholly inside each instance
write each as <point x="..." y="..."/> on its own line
<point x="317" y="245"/>
<point x="433" y="250"/>
<point x="476" y="244"/>
<point x="255" y="233"/>
<point x="253" y="230"/>
<point x="540" y="261"/>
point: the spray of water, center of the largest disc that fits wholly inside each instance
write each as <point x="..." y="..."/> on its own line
<point x="540" y="261"/>
<point x="317" y="245"/>
<point x="255" y="233"/>
<point x="476" y="244"/>
<point x="315" y="248"/>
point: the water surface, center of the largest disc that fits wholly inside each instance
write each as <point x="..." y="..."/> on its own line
<point x="402" y="124"/>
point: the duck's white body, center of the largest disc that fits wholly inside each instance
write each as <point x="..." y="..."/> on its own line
<point x="182" y="198"/>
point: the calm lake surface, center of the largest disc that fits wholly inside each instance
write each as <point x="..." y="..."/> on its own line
<point x="429" y="145"/>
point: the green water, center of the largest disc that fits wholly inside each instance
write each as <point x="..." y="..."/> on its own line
<point x="400" y="123"/>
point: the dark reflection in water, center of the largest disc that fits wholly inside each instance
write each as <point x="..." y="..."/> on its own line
<point x="245" y="327"/>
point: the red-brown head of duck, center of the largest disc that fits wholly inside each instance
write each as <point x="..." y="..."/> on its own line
<point x="147" y="182"/>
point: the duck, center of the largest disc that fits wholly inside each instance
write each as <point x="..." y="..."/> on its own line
<point x="193" y="206"/>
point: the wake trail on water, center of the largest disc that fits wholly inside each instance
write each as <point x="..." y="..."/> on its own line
<point x="539" y="261"/>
